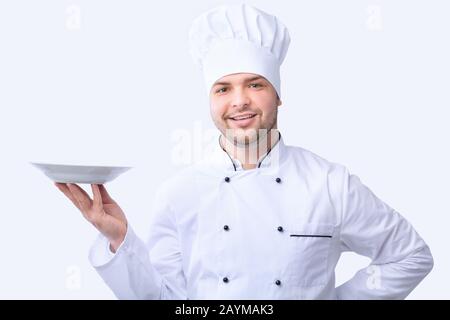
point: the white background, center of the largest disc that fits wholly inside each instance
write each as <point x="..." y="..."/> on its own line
<point x="365" y="84"/>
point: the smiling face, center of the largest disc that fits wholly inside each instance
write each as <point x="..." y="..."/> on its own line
<point x="244" y="106"/>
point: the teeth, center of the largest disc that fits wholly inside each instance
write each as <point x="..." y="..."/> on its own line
<point x="242" y="118"/>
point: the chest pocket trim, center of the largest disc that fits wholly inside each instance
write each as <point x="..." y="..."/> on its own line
<point x="310" y="235"/>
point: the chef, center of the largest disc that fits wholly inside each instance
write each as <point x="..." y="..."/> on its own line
<point x="255" y="219"/>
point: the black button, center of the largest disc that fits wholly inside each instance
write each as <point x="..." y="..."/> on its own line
<point x="280" y="228"/>
<point x="227" y="179"/>
<point x="278" y="180"/>
<point x="226" y="228"/>
<point x="278" y="282"/>
<point x="225" y="279"/>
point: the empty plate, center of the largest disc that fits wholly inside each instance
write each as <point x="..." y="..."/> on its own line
<point x="80" y="173"/>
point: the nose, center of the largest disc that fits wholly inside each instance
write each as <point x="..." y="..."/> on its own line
<point x="240" y="98"/>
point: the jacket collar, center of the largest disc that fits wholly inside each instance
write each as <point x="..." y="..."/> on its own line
<point x="271" y="159"/>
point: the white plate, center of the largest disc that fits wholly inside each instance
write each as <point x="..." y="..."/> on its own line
<point x="80" y="174"/>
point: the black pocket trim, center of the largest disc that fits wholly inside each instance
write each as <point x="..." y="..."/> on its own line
<point x="310" y="236"/>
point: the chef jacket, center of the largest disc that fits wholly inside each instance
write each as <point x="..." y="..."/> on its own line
<point x="273" y="232"/>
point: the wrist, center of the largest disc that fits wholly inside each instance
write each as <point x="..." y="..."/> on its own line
<point x="114" y="244"/>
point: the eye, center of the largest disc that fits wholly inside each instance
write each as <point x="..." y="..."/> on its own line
<point x="220" y="90"/>
<point x="256" y="84"/>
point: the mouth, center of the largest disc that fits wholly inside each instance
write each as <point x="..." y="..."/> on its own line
<point x="243" y="117"/>
<point x="243" y="120"/>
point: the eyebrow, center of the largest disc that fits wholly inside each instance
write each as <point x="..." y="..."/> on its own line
<point x="246" y="80"/>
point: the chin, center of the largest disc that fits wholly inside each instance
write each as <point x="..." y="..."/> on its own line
<point x="245" y="139"/>
<point x="241" y="136"/>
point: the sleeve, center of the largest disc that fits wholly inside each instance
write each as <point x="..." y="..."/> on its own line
<point x="369" y="227"/>
<point x="139" y="270"/>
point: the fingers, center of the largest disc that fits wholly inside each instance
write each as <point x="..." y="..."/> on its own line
<point x="65" y="189"/>
<point x="81" y="196"/>
<point x="97" y="196"/>
<point x="92" y="210"/>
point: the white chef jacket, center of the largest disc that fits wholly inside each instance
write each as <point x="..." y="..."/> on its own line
<point x="273" y="232"/>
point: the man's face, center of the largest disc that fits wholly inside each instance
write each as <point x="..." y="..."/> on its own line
<point x="244" y="106"/>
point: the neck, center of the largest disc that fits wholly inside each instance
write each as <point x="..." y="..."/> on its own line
<point x="249" y="154"/>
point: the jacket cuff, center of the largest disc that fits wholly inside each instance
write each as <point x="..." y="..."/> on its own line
<point x="100" y="253"/>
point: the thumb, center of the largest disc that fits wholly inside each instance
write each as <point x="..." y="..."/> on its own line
<point x="105" y="195"/>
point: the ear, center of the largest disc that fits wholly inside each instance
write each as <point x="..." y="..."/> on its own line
<point x="279" y="103"/>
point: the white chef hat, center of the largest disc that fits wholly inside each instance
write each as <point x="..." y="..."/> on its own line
<point x="238" y="38"/>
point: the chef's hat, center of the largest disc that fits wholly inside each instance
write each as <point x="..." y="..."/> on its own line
<point x="238" y="38"/>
